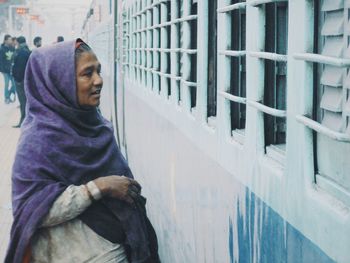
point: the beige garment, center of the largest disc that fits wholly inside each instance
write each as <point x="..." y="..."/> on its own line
<point x="65" y="239"/>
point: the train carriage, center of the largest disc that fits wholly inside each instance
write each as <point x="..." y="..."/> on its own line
<point x="234" y="116"/>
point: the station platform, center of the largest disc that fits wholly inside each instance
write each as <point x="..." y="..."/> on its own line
<point x="9" y="116"/>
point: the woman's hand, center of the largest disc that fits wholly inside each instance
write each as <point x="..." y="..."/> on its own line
<point x="119" y="187"/>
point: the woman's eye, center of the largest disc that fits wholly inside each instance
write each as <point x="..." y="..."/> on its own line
<point x="88" y="73"/>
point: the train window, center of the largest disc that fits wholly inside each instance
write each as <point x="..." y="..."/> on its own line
<point x="275" y="72"/>
<point x="212" y="58"/>
<point x="234" y="56"/>
<point x="332" y="103"/>
<point x="238" y="66"/>
<point x="163" y="48"/>
<point x="149" y="43"/>
<point x="125" y="47"/>
<point x="188" y="49"/>
<point x="175" y="57"/>
<point x="330" y="116"/>
<point x="275" y="77"/>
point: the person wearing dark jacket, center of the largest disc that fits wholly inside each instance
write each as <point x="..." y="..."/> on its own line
<point x="6" y="59"/>
<point x="19" y="65"/>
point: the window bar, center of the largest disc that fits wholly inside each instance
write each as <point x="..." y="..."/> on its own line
<point x="186" y="61"/>
<point x="261" y="2"/>
<point x="149" y="44"/>
<point x="269" y="56"/>
<point x="188" y="83"/>
<point x="233" y="53"/>
<point x="268" y="110"/>
<point x="156" y="45"/>
<point x="318" y="127"/>
<point x="163" y="45"/>
<point x="224" y="70"/>
<point x="185" y="18"/>
<point x="316" y="58"/>
<point x="176" y="21"/>
<point x="232" y="7"/>
<point x="233" y="98"/>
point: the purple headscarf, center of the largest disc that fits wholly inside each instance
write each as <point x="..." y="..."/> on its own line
<point x="60" y="145"/>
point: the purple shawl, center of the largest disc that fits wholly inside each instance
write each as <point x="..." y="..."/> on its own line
<point x="60" y="145"/>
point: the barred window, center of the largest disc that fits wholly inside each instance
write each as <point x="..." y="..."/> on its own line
<point x="273" y="104"/>
<point x="330" y="116"/>
<point x="163" y="48"/>
<point x="232" y="53"/>
<point x="125" y="47"/>
<point x="275" y="71"/>
<point x="188" y="43"/>
<point x="212" y="58"/>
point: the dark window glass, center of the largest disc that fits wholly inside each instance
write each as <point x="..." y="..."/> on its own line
<point x="238" y="68"/>
<point x="276" y="37"/>
<point x="212" y="58"/>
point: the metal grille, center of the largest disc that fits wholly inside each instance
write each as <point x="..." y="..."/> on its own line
<point x="331" y="116"/>
<point x="126" y="41"/>
<point x="212" y="58"/>
<point x="274" y="55"/>
<point x="275" y="71"/>
<point x="163" y="48"/>
<point x="234" y="57"/>
<point x="330" y="119"/>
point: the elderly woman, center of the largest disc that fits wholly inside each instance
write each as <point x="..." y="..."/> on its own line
<point x="74" y="199"/>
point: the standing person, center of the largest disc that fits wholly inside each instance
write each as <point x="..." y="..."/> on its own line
<point x="13" y="89"/>
<point x="19" y="65"/>
<point x="60" y="39"/>
<point x="6" y="59"/>
<point x="14" y="42"/>
<point x="73" y="194"/>
<point x="37" y="41"/>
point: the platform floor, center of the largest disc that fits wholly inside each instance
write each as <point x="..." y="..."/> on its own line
<point x="9" y="116"/>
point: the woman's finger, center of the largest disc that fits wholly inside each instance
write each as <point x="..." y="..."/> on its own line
<point x="132" y="194"/>
<point x="134" y="188"/>
<point x="135" y="183"/>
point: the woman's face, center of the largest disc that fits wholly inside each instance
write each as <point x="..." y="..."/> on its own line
<point x="89" y="81"/>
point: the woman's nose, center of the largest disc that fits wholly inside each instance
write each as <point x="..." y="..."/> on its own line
<point x="98" y="81"/>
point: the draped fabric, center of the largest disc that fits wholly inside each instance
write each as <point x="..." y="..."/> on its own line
<point x="62" y="144"/>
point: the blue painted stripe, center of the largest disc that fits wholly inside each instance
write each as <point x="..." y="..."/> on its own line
<point x="272" y="240"/>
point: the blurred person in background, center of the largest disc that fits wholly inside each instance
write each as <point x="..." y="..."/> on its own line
<point x="74" y="198"/>
<point x="21" y="57"/>
<point x="37" y="41"/>
<point x="6" y="59"/>
<point x="14" y="42"/>
<point x="60" y="39"/>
